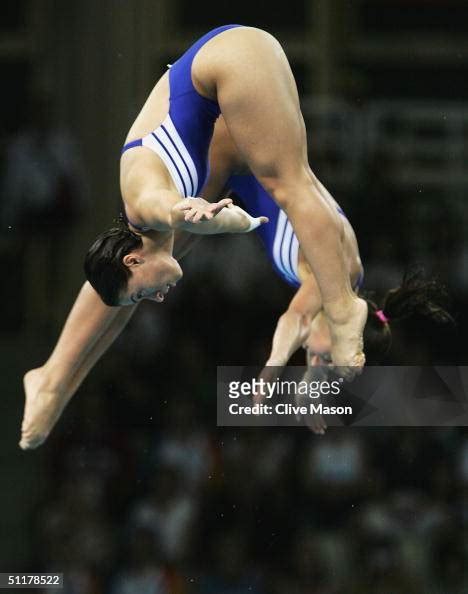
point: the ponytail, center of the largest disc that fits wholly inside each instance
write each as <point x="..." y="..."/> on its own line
<point x="417" y="296"/>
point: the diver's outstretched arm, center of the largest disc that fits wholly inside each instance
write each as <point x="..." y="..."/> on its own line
<point x="292" y="329"/>
<point x="90" y="329"/>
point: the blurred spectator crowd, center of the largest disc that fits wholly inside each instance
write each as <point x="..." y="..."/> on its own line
<point x="147" y="497"/>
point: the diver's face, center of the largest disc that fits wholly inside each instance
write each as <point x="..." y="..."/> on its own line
<point x="152" y="277"/>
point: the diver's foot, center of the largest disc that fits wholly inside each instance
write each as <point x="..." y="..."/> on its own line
<point x="42" y="409"/>
<point x="346" y="330"/>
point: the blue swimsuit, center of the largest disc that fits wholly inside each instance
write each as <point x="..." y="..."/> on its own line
<point x="277" y="235"/>
<point x="183" y="139"/>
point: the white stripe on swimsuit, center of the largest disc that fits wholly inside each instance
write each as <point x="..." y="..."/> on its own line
<point x="166" y="142"/>
<point x="286" y="248"/>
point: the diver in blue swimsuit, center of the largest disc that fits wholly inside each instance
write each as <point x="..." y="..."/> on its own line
<point x="241" y="73"/>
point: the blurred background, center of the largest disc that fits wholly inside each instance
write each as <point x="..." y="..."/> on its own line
<point x="137" y="490"/>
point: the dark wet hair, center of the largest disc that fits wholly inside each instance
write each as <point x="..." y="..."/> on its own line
<point x="103" y="264"/>
<point x="416" y="296"/>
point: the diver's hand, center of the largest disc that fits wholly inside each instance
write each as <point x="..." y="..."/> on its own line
<point x="252" y="222"/>
<point x="196" y="210"/>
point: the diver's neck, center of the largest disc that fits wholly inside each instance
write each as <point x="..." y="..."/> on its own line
<point x="158" y="241"/>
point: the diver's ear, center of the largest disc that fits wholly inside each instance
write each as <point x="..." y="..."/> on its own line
<point x="132" y="260"/>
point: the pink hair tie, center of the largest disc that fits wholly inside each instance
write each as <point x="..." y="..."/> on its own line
<point x="382" y="317"/>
